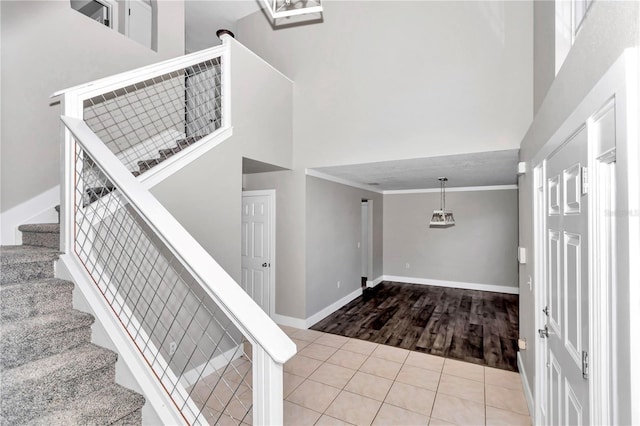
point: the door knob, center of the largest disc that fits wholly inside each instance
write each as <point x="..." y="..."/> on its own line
<point x="544" y="332"/>
<point x="265" y="264"/>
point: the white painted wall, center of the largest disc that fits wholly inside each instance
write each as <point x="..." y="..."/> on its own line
<point x="609" y="28"/>
<point x="47" y="46"/>
<point x="385" y="80"/>
<point x="480" y="249"/>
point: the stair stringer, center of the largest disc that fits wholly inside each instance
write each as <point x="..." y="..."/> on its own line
<point x="132" y="371"/>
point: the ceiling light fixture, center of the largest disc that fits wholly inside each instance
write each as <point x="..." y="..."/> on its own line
<point x="287" y="8"/>
<point x="442" y="218"/>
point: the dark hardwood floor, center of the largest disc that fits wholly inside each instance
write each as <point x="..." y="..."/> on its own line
<point x="469" y="325"/>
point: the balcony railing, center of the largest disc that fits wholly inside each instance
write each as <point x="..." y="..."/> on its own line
<point x="213" y="352"/>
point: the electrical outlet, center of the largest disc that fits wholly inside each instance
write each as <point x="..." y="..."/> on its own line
<point x="173" y="347"/>
<point x="407" y="266"/>
<point x="530" y="282"/>
<point x="339" y="284"/>
<point x="358" y="244"/>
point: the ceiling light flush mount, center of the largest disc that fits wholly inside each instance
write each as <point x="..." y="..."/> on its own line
<point x="287" y="8"/>
<point x="442" y="218"/>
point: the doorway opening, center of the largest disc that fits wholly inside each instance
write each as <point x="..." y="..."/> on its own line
<point x="366" y="241"/>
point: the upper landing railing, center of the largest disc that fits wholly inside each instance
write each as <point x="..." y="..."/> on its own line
<point x="214" y="354"/>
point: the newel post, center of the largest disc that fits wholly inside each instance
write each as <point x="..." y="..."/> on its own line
<point x="267" y="388"/>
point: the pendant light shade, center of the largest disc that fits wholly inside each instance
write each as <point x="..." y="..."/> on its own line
<point x="442" y="218"/>
<point x="287" y="8"/>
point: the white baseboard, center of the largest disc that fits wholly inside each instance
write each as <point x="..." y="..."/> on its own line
<point x="375" y="282"/>
<point x="318" y="316"/>
<point x="39" y="209"/>
<point x="525" y="385"/>
<point x="453" y="284"/>
<point x="208" y="367"/>
<point x="289" y="321"/>
<point x="333" y="307"/>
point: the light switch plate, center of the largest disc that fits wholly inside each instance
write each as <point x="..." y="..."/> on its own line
<point x="522" y="255"/>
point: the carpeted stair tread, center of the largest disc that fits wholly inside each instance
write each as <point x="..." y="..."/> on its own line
<point x="47" y="384"/>
<point x="38" y="297"/>
<point x="34" y="338"/>
<point x="102" y="407"/>
<point x="26" y="254"/>
<point x="43" y="326"/>
<point x="59" y="367"/>
<point x="48" y="228"/>
<point x="41" y="234"/>
<point x="25" y="263"/>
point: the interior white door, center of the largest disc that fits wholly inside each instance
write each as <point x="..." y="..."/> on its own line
<point x="567" y="293"/>
<point x="139" y="22"/>
<point x="256" y="244"/>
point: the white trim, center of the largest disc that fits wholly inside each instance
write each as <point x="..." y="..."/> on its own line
<point x="268" y="389"/>
<point x="453" y="284"/>
<point x="453" y="189"/>
<point x="375" y="282"/>
<point x="321" y="175"/>
<point x="41" y="208"/>
<point x="271" y="193"/>
<point x="318" y="316"/>
<point x="539" y="252"/>
<point x="210" y="366"/>
<point x="325" y="176"/>
<point x="289" y="321"/>
<point x="181" y="159"/>
<point x="525" y="386"/>
<point x="88" y="90"/>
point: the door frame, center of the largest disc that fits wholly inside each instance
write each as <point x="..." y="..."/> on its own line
<point x="612" y="88"/>
<point x="271" y="194"/>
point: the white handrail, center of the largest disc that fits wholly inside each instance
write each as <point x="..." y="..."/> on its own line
<point x="88" y="90"/>
<point x="220" y="286"/>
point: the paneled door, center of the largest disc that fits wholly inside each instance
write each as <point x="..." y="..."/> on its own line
<point x="256" y="247"/>
<point x="567" y="292"/>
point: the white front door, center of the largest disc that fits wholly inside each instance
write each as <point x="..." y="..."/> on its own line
<point x="256" y="248"/>
<point x="567" y="277"/>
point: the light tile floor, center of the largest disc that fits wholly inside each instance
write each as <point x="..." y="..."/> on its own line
<point x="334" y="380"/>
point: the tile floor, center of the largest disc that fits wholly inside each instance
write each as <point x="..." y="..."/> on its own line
<point x="335" y="380"/>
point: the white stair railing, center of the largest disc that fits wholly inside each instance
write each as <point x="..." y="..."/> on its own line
<point x="212" y="350"/>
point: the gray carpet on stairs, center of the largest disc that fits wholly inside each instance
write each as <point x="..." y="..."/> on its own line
<point x="51" y="372"/>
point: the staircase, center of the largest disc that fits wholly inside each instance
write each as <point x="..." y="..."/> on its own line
<point x="51" y="372"/>
<point x="164" y="154"/>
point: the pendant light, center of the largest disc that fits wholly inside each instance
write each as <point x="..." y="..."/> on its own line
<point x="442" y="218"/>
<point x="288" y="8"/>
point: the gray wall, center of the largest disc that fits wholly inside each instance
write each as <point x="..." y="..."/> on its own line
<point x="290" y="237"/>
<point x="481" y="248"/>
<point x="206" y="195"/>
<point x="333" y="213"/>
<point x="47" y="46"/>
<point x="609" y="28"/>
<point x="391" y="80"/>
